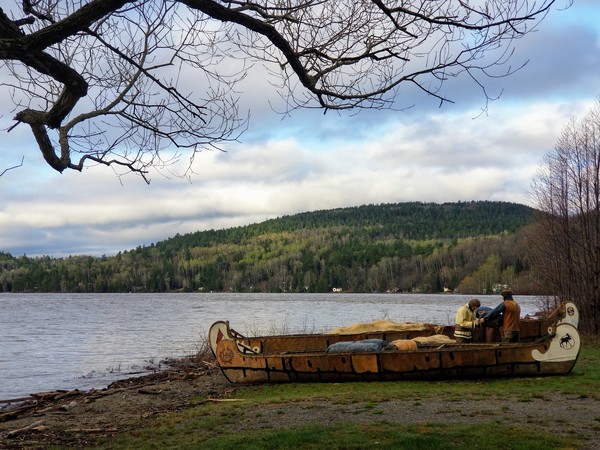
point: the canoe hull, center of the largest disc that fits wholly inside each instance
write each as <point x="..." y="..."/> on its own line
<point x="245" y="361"/>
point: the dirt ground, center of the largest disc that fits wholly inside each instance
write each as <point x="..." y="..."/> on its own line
<point x="70" y="419"/>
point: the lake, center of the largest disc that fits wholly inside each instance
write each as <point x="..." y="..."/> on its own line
<point x="87" y="341"/>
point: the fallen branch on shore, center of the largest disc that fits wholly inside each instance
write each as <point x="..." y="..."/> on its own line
<point x="149" y="391"/>
<point x="37" y="426"/>
<point x="93" y="430"/>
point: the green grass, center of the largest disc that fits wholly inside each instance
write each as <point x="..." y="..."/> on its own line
<point x="381" y="435"/>
<point x="216" y="426"/>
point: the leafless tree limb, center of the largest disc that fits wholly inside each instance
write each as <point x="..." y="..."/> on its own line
<point x="108" y="82"/>
<point x="13" y="167"/>
<point x="566" y="244"/>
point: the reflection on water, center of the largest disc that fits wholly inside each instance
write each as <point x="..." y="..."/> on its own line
<point x="86" y="341"/>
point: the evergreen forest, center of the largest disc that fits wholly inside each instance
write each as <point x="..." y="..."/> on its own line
<point x="467" y="247"/>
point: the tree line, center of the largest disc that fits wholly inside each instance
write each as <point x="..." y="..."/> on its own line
<point x="470" y="247"/>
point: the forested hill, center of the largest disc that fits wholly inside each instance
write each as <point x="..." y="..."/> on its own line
<point x="414" y="221"/>
<point x="406" y="247"/>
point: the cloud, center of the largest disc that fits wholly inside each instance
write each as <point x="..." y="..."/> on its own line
<point x="440" y="158"/>
<point x="310" y="161"/>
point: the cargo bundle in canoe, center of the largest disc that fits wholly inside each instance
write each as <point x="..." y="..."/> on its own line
<point x="549" y="346"/>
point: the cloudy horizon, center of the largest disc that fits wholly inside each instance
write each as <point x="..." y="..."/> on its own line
<point x="309" y="161"/>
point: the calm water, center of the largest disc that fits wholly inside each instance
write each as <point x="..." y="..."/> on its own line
<point x="87" y="341"/>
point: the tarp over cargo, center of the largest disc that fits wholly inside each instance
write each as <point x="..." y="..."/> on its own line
<point x="385" y="325"/>
<point x="366" y="345"/>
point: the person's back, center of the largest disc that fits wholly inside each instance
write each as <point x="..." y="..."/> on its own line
<point x="511" y="318"/>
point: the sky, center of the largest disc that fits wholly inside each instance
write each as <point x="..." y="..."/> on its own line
<point x="309" y="161"/>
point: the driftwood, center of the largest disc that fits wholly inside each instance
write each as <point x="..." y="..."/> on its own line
<point x="41" y="403"/>
<point x="148" y="391"/>
<point x="16" y="412"/>
<point x="16" y="400"/>
<point x="218" y="400"/>
<point x="92" y="430"/>
<point x="32" y="426"/>
<point x="37" y="405"/>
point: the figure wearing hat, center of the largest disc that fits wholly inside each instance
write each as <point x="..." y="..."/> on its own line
<point x="510" y="311"/>
<point x="465" y="323"/>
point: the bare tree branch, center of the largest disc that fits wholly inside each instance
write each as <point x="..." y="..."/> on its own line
<point x="108" y="82"/>
<point x="566" y="243"/>
<point x="13" y="167"/>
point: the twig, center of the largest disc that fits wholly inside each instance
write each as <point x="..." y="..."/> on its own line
<point x="13" y="167"/>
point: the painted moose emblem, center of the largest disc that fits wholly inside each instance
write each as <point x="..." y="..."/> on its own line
<point x="567" y="342"/>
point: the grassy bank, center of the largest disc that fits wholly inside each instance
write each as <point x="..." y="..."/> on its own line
<point x="255" y="416"/>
